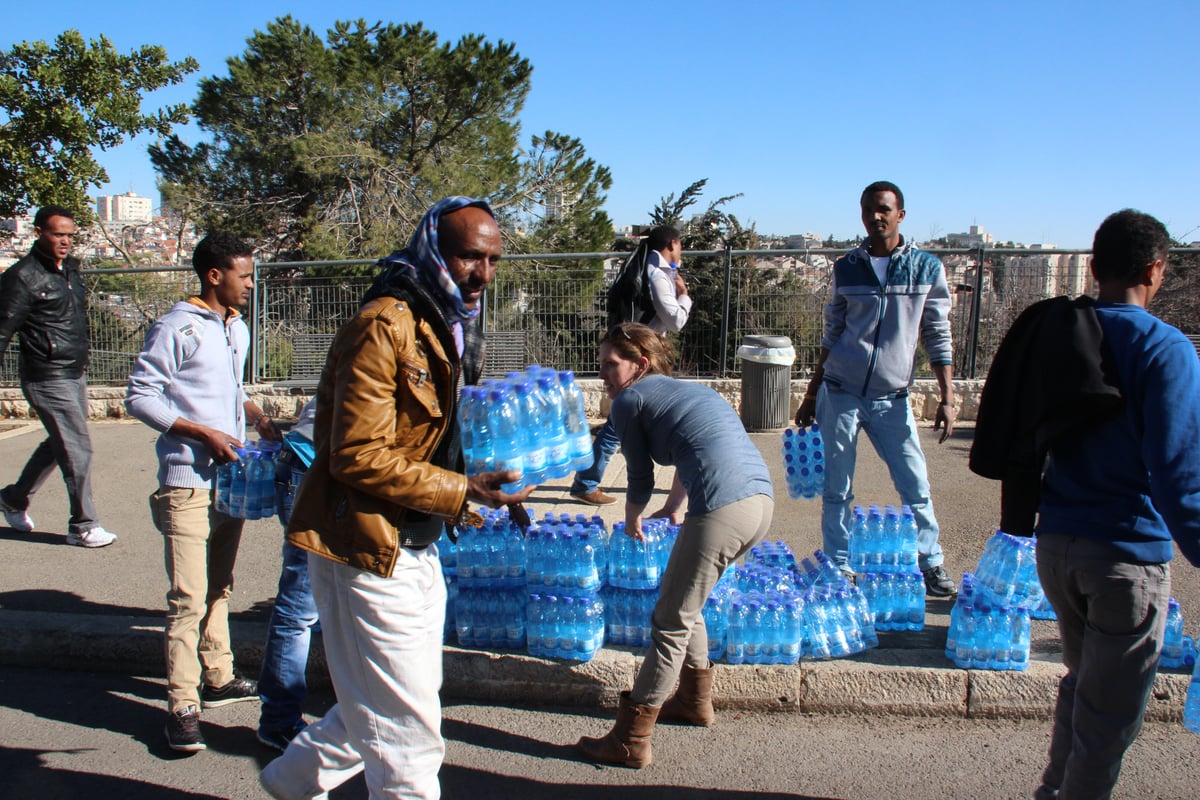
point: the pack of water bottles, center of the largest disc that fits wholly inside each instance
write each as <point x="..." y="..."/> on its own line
<point x="640" y="563"/>
<point x="533" y="422"/>
<point x="491" y="556"/>
<point x="773" y="610"/>
<point x="246" y="486"/>
<point x="990" y="621"/>
<point x="804" y="461"/>
<point x="493" y="618"/>
<point x="627" y="614"/>
<point x="987" y="636"/>
<point x="883" y="540"/>
<point x="566" y="556"/>
<point x="883" y="554"/>
<point x="570" y="627"/>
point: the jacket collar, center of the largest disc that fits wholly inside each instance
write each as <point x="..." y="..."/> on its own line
<point x="862" y="252"/>
<point x="203" y="306"/>
<point x="70" y="262"/>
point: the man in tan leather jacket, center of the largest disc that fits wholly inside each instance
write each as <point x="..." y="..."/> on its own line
<point x="388" y="475"/>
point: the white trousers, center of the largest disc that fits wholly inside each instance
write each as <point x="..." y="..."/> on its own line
<point x="383" y="645"/>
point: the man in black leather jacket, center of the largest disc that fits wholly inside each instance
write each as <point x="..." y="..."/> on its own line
<point x="42" y="297"/>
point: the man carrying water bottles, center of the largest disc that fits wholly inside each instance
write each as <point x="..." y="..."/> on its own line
<point x="187" y="384"/>
<point x="886" y="295"/>
<point x="387" y="477"/>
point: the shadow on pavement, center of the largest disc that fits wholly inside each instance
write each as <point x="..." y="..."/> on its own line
<point x="26" y="775"/>
<point x="57" y="601"/>
<point x="463" y="782"/>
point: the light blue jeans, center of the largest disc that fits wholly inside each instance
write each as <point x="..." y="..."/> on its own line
<point x="604" y="447"/>
<point x="892" y="429"/>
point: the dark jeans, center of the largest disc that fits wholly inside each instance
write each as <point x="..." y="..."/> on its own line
<point x="1111" y="613"/>
<point x="61" y="405"/>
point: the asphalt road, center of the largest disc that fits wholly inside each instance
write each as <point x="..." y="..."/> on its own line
<point x="99" y="736"/>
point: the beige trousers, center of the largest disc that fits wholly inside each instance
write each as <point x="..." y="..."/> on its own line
<point x="200" y="546"/>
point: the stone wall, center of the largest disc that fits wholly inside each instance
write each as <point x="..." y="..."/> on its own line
<point x="108" y="402"/>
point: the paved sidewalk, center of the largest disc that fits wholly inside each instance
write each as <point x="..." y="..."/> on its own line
<point x="66" y="607"/>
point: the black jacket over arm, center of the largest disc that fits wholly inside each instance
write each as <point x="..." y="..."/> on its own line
<point x="1052" y="374"/>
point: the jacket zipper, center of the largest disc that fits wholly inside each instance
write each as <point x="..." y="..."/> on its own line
<point x="878" y="323"/>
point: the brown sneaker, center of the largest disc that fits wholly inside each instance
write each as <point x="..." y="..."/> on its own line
<point x="595" y="498"/>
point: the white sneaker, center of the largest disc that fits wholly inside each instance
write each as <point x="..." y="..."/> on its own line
<point x="96" y="537"/>
<point x="18" y="519"/>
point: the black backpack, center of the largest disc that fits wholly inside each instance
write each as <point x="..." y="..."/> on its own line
<point x="629" y="297"/>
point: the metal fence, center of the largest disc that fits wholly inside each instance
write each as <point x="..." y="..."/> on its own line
<point x="550" y="308"/>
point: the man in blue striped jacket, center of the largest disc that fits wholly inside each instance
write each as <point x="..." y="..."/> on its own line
<point x="887" y="296"/>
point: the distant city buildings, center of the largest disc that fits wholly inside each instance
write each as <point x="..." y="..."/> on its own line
<point x="127" y="208"/>
<point x="128" y="232"/>
<point x="974" y="237"/>
<point x="803" y="241"/>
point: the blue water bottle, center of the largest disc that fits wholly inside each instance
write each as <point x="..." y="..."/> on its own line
<point x="1172" y="650"/>
<point x="575" y="422"/>
<point x="552" y="430"/>
<point x="269" y="505"/>
<point x="1191" y="707"/>
<point x="252" y="504"/>
<point x="237" y="485"/>
<point x="224" y="481"/>
<point x="528" y="431"/>
<point x="502" y="418"/>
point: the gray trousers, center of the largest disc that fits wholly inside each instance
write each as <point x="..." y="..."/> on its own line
<point x="707" y="544"/>
<point x="61" y="405"/>
<point x="1111" y="613"/>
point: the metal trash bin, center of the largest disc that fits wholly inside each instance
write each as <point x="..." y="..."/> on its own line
<point x="766" y="382"/>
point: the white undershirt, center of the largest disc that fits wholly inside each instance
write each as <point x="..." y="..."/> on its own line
<point x="880" y="265"/>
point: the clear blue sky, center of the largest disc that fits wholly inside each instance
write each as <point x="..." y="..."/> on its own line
<point x="1032" y="118"/>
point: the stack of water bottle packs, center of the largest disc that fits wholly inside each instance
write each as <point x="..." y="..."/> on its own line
<point x="989" y="624"/>
<point x="804" y="461"/>
<point x="533" y="422"/>
<point x="883" y="555"/>
<point x="246" y="487"/>
<point x="771" y="610"/>
<point x="559" y="590"/>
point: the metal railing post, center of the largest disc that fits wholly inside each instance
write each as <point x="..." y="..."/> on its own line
<point x="725" y="310"/>
<point x="976" y="313"/>
<point x="258" y="298"/>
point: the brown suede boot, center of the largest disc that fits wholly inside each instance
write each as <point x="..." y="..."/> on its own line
<point x="628" y="743"/>
<point x="692" y="702"/>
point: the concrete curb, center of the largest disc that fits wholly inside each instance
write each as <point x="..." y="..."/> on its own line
<point x="904" y="682"/>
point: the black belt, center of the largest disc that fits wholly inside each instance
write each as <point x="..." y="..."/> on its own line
<point x="418" y="542"/>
